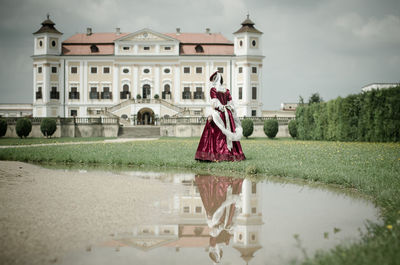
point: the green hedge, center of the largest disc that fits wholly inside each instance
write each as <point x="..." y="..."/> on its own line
<point x="271" y="128"/>
<point x="3" y="127"/>
<point x="48" y="126"/>
<point x="372" y="116"/>
<point x="248" y="127"/>
<point x="23" y="127"/>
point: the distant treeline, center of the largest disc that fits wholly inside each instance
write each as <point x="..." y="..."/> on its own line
<point x="372" y="116"/>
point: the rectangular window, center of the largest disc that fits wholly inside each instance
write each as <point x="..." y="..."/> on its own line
<point x="253" y="188"/>
<point x="54" y="70"/>
<point x="254" y="92"/>
<point x="186" y="70"/>
<point x="240" y="92"/>
<point x="199" y="70"/>
<point x="220" y="69"/>
<point x="106" y="94"/>
<point x="198" y="209"/>
<point x="126" y="48"/>
<point x="39" y="93"/>
<point x="199" y="93"/>
<point x="93" y="93"/>
<point x="106" y="70"/>
<point x="240" y="70"/>
<point x="167" y="48"/>
<point x="74" y="94"/>
<point x="254" y="70"/>
<point x="54" y="94"/>
<point x="93" y="70"/>
<point x="39" y="70"/>
<point x="253" y="113"/>
<point x="146" y="48"/>
<point x="186" y="93"/>
<point x="186" y="209"/>
<point x="74" y="70"/>
<point x="254" y="210"/>
<point x="74" y="113"/>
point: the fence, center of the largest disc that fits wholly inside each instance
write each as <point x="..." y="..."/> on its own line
<point x="68" y="121"/>
<point x="202" y="120"/>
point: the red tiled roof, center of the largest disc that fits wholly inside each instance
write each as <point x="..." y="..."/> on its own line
<point x="199" y="37"/>
<point x="95" y="37"/>
<point x="84" y="49"/>
<point x="189" y="49"/>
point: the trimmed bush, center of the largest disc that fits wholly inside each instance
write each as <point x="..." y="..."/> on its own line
<point x="271" y="128"/>
<point x="248" y="127"/>
<point x="156" y="96"/>
<point x="372" y="116"/>
<point x="293" y="128"/>
<point x="3" y="127"/>
<point x="48" y="126"/>
<point x="138" y="96"/>
<point x="23" y="127"/>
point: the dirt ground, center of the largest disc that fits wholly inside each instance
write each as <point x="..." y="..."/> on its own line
<point x="46" y="213"/>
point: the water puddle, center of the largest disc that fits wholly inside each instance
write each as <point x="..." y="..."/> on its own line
<point x="210" y="219"/>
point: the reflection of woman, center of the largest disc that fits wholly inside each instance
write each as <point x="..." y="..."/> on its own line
<point x="220" y="196"/>
<point x="222" y="132"/>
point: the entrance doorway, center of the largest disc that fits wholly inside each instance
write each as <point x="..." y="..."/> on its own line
<point x="145" y="116"/>
<point x="146" y="91"/>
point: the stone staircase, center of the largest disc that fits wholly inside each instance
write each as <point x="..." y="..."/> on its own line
<point x="139" y="132"/>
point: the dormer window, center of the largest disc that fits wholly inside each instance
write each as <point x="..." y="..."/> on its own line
<point x="40" y="43"/>
<point x="167" y="48"/>
<point x="126" y="48"/>
<point x="199" y="48"/>
<point x="146" y="48"/>
<point x="53" y="43"/>
<point x="94" y="48"/>
<point x="254" y="43"/>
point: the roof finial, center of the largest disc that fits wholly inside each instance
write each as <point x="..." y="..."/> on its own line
<point x="48" y="15"/>
<point x="248" y="14"/>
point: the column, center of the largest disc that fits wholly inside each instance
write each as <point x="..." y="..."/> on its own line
<point x="46" y="83"/>
<point x="84" y="82"/>
<point x="246" y="197"/>
<point x="157" y="80"/>
<point x="259" y="90"/>
<point x="116" y="85"/>
<point x="61" y="87"/>
<point x="177" y="84"/>
<point x="246" y="87"/>
<point x="135" y="80"/>
<point x="34" y="89"/>
<point x="207" y="82"/>
<point x="235" y="90"/>
<point x="66" y="84"/>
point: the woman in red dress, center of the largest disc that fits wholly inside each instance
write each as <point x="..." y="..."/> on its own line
<point x="222" y="132"/>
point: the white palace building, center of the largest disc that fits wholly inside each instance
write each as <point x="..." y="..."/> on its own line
<point x="143" y="75"/>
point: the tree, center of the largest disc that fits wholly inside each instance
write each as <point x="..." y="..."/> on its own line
<point x="315" y="98"/>
<point x="3" y="127"/>
<point x="271" y="128"/>
<point x="292" y="128"/>
<point x="48" y="126"/>
<point x="23" y="127"/>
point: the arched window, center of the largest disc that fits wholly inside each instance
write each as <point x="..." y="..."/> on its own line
<point x="125" y="94"/>
<point x="166" y="94"/>
<point x="199" y="48"/>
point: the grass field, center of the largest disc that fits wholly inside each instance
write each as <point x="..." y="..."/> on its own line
<point x="372" y="169"/>
<point x="29" y="141"/>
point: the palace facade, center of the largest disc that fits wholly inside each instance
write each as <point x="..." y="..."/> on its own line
<point x="145" y="74"/>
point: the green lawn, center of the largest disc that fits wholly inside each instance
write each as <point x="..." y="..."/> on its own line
<point x="29" y="141"/>
<point x="372" y="169"/>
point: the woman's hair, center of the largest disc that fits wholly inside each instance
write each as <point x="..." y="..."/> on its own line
<point x="215" y="75"/>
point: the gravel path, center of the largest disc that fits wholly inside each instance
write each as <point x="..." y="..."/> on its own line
<point x="46" y="213"/>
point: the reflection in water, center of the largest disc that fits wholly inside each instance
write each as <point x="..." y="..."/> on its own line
<point x="220" y="220"/>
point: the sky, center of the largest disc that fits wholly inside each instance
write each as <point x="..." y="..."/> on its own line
<point x="330" y="47"/>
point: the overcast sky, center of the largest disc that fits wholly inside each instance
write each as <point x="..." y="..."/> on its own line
<point x="333" y="47"/>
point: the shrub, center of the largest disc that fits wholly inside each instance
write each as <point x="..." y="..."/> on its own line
<point x="248" y="127"/>
<point x="3" y="127"/>
<point x="156" y="96"/>
<point x="293" y="128"/>
<point x="48" y="126"/>
<point x="23" y="127"/>
<point x="271" y="128"/>
<point x="138" y="96"/>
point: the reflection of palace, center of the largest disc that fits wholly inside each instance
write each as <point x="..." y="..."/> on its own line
<point x="185" y="224"/>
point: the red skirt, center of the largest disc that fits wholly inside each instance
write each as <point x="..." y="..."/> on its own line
<point x="213" y="147"/>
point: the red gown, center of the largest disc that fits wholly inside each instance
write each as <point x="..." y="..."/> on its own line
<point x="212" y="145"/>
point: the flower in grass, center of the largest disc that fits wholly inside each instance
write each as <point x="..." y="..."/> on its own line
<point x="390" y="227"/>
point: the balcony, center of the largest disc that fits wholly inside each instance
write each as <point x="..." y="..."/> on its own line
<point x="186" y="95"/>
<point x="54" y="95"/>
<point x="73" y="95"/>
<point x="106" y="95"/>
<point x="125" y="95"/>
<point x="39" y="95"/>
<point x="166" y="95"/>
<point x="94" y="95"/>
<point x="198" y="95"/>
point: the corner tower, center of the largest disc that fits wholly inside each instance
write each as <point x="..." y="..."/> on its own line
<point x="47" y="71"/>
<point x="248" y="51"/>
